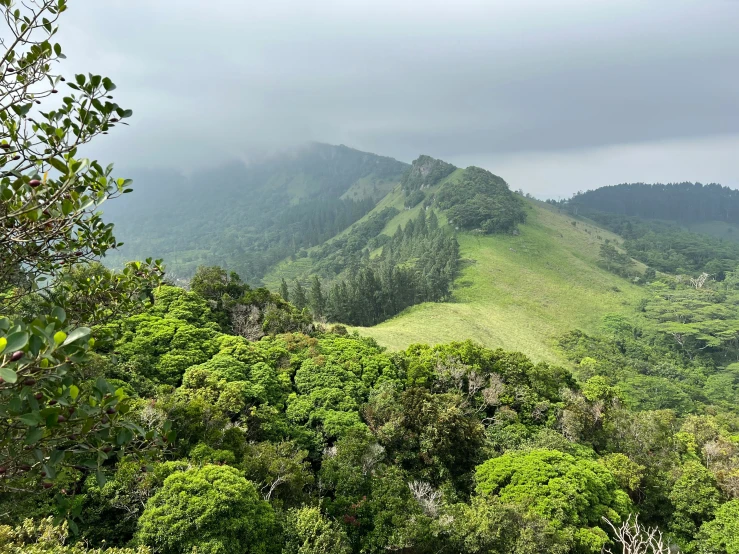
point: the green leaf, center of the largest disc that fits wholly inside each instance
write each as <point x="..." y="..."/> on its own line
<point x="8" y="375"/>
<point x="58" y="313"/>
<point x="101" y="477"/>
<point x="74" y="392"/>
<point x="77" y="334"/>
<point x="67" y="206"/>
<point x="31" y="418"/>
<point x="34" y="434"/>
<point x="124" y="436"/>
<point x="16" y="341"/>
<point x="51" y="419"/>
<point x="57" y="164"/>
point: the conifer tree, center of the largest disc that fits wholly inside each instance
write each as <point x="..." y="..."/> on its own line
<point x="300" y="300"/>
<point x="284" y="292"/>
<point x="317" y="300"/>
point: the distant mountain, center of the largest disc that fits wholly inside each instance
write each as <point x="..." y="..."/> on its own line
<point x="685" y="203"/>
<point x="247" y="217"/>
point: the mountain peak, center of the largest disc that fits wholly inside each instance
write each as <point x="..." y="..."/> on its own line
<point x="425" y="172"/>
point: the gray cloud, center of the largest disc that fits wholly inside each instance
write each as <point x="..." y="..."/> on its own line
<point x="474" y="80"/>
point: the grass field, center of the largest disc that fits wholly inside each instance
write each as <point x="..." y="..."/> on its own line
<point x="519" y="292"/>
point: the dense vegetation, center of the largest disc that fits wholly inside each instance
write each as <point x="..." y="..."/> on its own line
<point x="669" y="248"/>
<point x="348" y="250"/>
<point x="372" y="276"/>
<point x="417" y="264"/>
<point x="663" y="246"/>
<point x="139" y="417"/>
<point x="680" y="202"/>
<point x="325" y="443"/>
<point x="481" y="200"/>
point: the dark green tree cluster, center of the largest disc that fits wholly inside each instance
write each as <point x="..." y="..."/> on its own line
<point x="425" y="172"/>
<point x="250" y="313"/>
<point x="348" y="250"/>
<point x="418" y="264"/>
<point x="681" y="202"/>
<point x="615" y="261"/>
<point x="481" y="200"/>
<point x="664" y="245"/>
<point x="414" y="198"/>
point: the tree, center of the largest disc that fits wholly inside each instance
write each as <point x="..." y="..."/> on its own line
<point x="317" y="300"/>
<point x="721" y="534"/>
<point x="298" y="295"/>
<point x="44" y="537"/>
<point x="284" y="292"/>
<point x="49" y="216"/>
<point x="488" y="526"/>
<point x="280" y="470"/>
<point x="429" y="435"/>
<point x="308" y="531"/>
<point x="212" y="282"/>
<point x="695" y="498"/>
<point x="615" y="261"/>
<point x="50" y="228"/>
<point x="212" y="509"/>
<point x="573" y="494"/>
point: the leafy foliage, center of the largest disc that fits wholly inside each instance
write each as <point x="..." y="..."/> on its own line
<point x="572" y="494"/>
<point x="44" y="537"/>
<point x="58" y="420"/>
<point x="481" y="200"/>
<point x="418" y="264"/>
<point x="212" y="509"/>
<point x="721" y="535"/>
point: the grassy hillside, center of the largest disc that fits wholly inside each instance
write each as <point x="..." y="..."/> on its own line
<point x="518" y="292"/>
<point x="301" y="268"/>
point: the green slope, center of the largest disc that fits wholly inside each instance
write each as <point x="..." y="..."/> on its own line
<point x="519" y="292"/>
<point x="291" y="269"/>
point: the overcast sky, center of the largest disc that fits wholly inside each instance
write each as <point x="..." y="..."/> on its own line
<point x="553" y="96"/>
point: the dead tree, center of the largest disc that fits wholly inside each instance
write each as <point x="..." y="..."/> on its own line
<point x="631" y="537"/>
